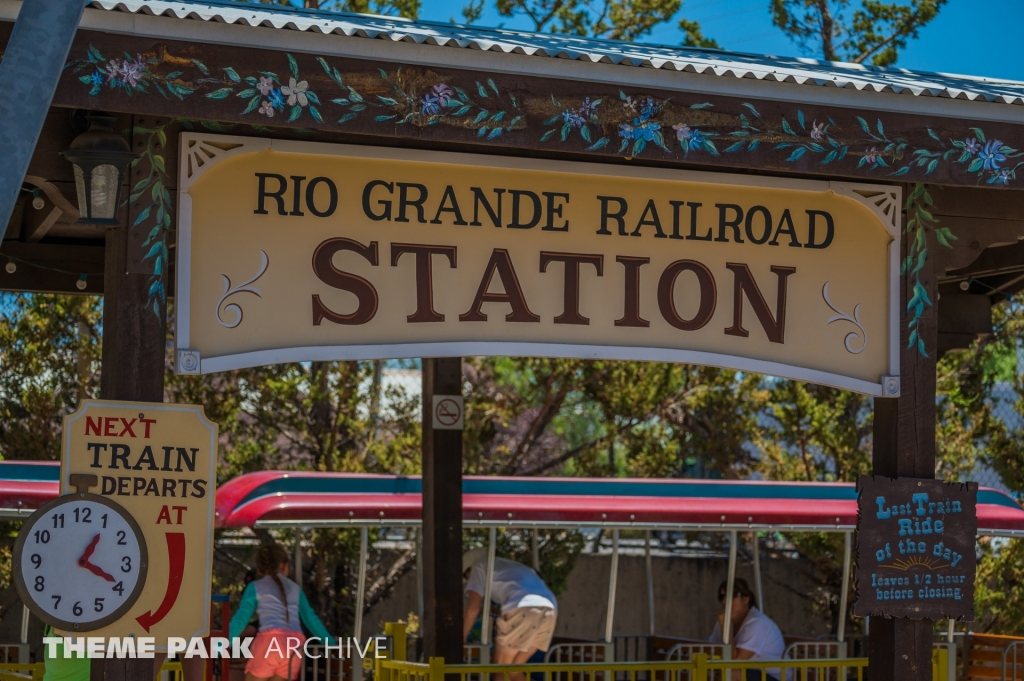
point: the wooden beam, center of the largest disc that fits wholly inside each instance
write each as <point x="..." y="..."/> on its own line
<point x="904" y="446"/>
<point x="977" y="202"/>
<point x="51" y="268"/>
<point x="134" y="326"/>
<point x="382" y="102"/>
<point x="442" y="518"/>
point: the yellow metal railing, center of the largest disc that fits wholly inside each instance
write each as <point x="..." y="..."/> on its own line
<point x="21" y="672"/>
<point x="940" y="664"/>
<point x="34" y="671"/>
<point x="697" y="669"/>
<point x="700" y="668"/>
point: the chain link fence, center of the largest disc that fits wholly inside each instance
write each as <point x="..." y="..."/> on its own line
<point x="1004" y="407"/>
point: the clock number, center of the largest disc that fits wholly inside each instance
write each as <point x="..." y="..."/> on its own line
<point x="56" y="601"/>
<point x="120" y="538"/>
<point x="126" y="564"/>
<point x="86" y="515"/>
<point x="104" y="518"/>
<point x="58" y="517"/>
<point x="119" y="588"/>
<point x="77" y="608"/>
<point x="98" y="605"/>
<point x="40" y="583"/>
<point x="42" y="537"/>
<point x="36" y="560"/>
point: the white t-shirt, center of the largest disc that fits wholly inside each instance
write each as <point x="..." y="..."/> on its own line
<point x="269" y="607"/>
<point x="758" y="634"/>
<point x="513" y="585"/>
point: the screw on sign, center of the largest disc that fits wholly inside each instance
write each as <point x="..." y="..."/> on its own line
<point x="448" y="411"/>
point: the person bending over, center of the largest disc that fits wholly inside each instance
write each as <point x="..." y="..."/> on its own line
<point x="528" y="608"/>
<point x="281" y="605"/>
<point x="754" y="635"/>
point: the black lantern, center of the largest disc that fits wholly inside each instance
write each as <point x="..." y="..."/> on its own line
<point x="100" y="157"/>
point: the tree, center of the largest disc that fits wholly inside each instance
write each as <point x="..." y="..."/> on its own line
<point x="409" y="9"/>
<point x="49" y="360"/>
<point x="612" y="19"/>
<point x="874" y="33"/>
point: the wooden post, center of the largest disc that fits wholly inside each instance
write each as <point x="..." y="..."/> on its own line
<point x="134" y="343"/>
<point x="904" y="446"/>
<point x="442" y="518"/>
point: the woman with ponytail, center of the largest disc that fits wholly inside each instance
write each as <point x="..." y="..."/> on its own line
<point x="281" y="606"/>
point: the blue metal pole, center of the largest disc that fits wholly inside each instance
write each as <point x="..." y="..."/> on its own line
<point x="29" y="72"/>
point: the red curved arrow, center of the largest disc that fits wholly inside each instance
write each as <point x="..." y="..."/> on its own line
<point x="176" y="553"/>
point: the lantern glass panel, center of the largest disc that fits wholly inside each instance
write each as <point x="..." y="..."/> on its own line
<point x="83" y="204"/>
<point x="104" y="192"/>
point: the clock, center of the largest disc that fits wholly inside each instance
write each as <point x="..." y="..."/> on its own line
<point x="80" y="561"/>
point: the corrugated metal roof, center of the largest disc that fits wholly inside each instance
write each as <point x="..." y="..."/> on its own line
<point x="694" y="60"/>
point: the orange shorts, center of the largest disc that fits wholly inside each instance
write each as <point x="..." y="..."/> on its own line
<point x="276" y="652"/>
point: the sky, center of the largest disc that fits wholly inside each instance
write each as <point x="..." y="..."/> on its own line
<point x="960" y="40"/>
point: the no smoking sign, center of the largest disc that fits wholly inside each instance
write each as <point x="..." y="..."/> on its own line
<point x="448" y="412"/>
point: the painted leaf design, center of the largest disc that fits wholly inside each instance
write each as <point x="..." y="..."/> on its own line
<point x="142" y="216"/>
<point x="253" y="103"/>
<point x="232" y="74"/>
<point x="219" y="94"/>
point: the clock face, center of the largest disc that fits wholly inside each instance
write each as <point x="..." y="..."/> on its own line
<point x="80" y="562"/>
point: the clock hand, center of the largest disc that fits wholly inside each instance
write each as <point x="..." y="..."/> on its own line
<point x="89" y="551"/>
<point x="97" y="571"/>
<point x="84" y="560"/>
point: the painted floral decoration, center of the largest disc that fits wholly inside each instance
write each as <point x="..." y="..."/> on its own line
<point x="639" y="121"/>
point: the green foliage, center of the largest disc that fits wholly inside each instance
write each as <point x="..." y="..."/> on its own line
<point x="49" y="360"/>
<point x="874" y="33"/>
<point x="999" y="587"/>
<point x="695" y="36"/>
<point x="814" y="433"/>
<point x="611" y="19"/>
